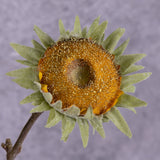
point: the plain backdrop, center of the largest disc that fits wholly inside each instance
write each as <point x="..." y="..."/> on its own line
<point x="141" y="19"/>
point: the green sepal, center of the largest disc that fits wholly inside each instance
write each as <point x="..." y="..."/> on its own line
<point x="93" y="26"/>
<point x="62" y="29"/>
<point x="89" y="114"/>
<point x="54" y="118"/>
<point x="44" y="106"/>
<point x="57" y="105"/>
<point x="38" y="46"/>
<point x="46" y="40"/>
<point x="68" y="125"/>
<point x="84" y="131"/>
<point x="98" y="32"/>
<point x="73" y="111"/>
<point x="133" y="68"/>
<point x="28" y="63"/>
<point x="31" y="54"/>
<point x="126" y="100"/>
<point x="133" y="79"/>
<point x="110" y="43"/>
<point x="96" y="123"/>
<point x="29" y="73"/>
<point x="47" y="96"/>
<point x="125" y="61"/>
<point x="25" y="83"/>
<point x="120" y="50"/>
<point x="84" y="32"/>
<point x="77" y="26"/>
<point x="115" y="116"/>
<point x="129" y="89"/>
<point x="37" y="102"/>
<point x="105" y="119"/>
<point x="32" y="97"/>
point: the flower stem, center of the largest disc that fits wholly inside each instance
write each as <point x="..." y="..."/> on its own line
<point x="13" y="151"/>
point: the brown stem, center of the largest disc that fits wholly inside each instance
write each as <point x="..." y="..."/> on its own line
<point x="12" y="151"/>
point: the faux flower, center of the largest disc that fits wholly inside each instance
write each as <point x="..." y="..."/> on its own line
<point x="80" y="78"/>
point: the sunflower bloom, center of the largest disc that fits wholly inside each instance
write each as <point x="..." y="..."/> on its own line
<point x="80" y="78"/>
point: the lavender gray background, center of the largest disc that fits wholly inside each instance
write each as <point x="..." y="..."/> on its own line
<point x="141" y="18"/>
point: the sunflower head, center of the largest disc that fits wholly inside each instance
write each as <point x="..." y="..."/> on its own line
<point x="80" y="78"/>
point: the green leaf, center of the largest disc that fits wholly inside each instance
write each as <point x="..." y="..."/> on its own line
<point x="84" y="130"/>
<point x="98" y="32"/>
<point x="54" y="118"/>
<point x="135" y="78"/>
<point x="120" y="50"/>
<point x="25" y="83"/>
<point x="32" y="97"/>
<point x="105" y="119"/>
<point x="115" y="116"/>
<point x="73" y="110"/>
<point x="62" y="29"/>
<point x="28" y="63"/>
<point x="38" y="46"/>
<point x="31" y="54"/>
<point x="127" y="100"/>
<point x="130" y="89"/>
<point x="133" y="68"/>
<point x="84" y="32"/>
<point x="27" y="73"/>
<point x="67" y="127"/>
<point x="77" y="26"/>
<point x="125" y="61"/>
<point x="93" y="26"/>
<point x="98" y="126"/>
<point x="44" y="106"/>
<point x="46" y="40"/>
<point x="110" y="43"/>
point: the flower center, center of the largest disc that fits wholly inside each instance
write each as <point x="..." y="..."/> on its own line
<point x="80" y="73"/>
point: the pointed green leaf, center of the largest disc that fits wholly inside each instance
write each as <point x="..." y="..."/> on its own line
<point x="89" y="114"/>
<point x="125" y="61"/>
<point x="29" y="73"/>
<point x="133" y="68"/>
<point x="98" y="126"/>
<point x="28" y="63"/>
<point x="32" y="97"/>
<point x="105" y="119"/>
<point x="25" y="83"/>
<point x="73" y="110"/>
<point x="127" y="100"/>
<point x="46" y="40"/>
<point x="110" y="43"/>
<point x="54" y="118"/>
<point x="62" y="29"/>
<point x="119" y="50"/>
<point x="93" y="26"/>
<point x="135" y="78"/>
<point x="67" y="127"/>
<point x="115" y="116"/>
<point x="44" y="106"/>
<point x="98" y="32"/>
<point x="84" y="32"/>
<point x="130" y="89"/>
<point x="38" y="46"/>
<point x="84" y="130"/>
<point x="31" y="54"/>
<point x="37" y="102"/>
<point x="77" y="26"/>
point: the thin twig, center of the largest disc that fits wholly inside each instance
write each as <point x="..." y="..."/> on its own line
<point x="13" y="151"/>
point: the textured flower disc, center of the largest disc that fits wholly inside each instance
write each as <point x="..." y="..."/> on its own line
<point x="80" y="72"/>
<point x="80" y="78"/>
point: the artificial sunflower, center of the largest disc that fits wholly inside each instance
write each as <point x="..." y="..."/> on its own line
<point x="80" y="78"/>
